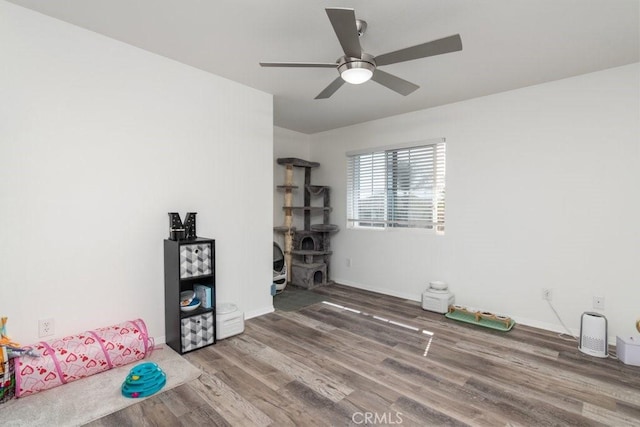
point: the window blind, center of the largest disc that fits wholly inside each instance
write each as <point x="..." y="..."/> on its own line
<point x="403" y="187"/>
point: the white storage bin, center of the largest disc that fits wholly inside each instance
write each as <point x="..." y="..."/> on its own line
<point x="437" y="298"/>
<point x="229" y="321"/>
<point x="628" y="350"/>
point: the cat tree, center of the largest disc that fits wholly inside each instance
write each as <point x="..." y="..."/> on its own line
<point x="307" y="252"/>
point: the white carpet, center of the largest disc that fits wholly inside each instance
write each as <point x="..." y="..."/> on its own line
<point x="93" y="397"/>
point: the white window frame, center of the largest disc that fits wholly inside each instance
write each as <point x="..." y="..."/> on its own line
<point x="398" y="187"/>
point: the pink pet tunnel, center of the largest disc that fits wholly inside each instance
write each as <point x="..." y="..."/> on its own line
<point x="78" y="356"/>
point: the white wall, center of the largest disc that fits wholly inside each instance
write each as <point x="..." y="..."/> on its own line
<point x="542" y="192"/>
<point x="98" y="141"/>
<point x="288" y="143"/>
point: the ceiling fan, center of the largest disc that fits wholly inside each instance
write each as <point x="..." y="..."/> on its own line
<point x="357" y="67"/>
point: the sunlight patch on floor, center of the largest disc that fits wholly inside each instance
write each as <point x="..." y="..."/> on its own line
<point x="391" y="322"/>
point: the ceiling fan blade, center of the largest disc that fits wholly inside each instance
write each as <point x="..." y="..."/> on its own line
<point x="344" y="24"/>
<point x="300" y="64"/>
<point x="331" y="89"/>
<point x="394" y="83"/>
<point x="432" y="48"/>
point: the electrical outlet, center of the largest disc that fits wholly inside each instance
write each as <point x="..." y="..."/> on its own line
<point x="546" y="294"/>
<point x="598" y="303"/>
<point x="45" y="327"/>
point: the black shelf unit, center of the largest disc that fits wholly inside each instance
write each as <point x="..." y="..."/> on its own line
<point x="188" y="263"/>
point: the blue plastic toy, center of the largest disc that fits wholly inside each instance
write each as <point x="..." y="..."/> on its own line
<point x="143" y="380"/>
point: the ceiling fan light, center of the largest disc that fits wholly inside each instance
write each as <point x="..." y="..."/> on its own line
<point x="356" y="76"/>
<point x="356" y="72"/>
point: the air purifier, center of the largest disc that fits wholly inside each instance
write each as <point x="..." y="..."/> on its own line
<point x="593" y="335"/>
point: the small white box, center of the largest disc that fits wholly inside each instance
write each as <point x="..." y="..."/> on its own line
<point x="628" y="350"/>
<point x="229" y="321"/>
<point x="437" y="301"/>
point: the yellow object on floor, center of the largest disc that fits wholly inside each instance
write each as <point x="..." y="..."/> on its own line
<point x="4" y="338"/>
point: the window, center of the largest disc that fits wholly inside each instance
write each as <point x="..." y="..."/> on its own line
<point x="397" y="187"/>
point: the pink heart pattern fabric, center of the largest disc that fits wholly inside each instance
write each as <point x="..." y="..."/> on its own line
<point x="71" y="358"/>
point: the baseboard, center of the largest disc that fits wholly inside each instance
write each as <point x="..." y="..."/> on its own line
<point x="543" y="325"/>
<point x="259" y="312"/>
<point x="384" y="291"/>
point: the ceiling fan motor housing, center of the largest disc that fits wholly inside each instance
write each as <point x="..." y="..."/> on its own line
<point x="346" y="63"/>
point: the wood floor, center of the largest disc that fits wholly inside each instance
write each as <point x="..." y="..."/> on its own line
<point x="326" y="365"/>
